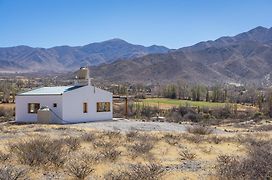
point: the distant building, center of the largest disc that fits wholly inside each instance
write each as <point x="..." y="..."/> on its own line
<point x="64" y="104"/>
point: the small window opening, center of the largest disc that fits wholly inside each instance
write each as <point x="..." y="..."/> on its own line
<point x="33" y="108"/>
<point x="85" y="107"/>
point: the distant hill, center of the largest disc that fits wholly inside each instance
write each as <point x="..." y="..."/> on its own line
<point x="242" y="58"/>
<point x="65" y="58"/>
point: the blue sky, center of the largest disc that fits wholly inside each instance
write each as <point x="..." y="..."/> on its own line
<point x="172" y="23"/>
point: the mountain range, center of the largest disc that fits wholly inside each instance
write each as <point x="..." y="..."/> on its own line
<point x="246" y="57"/>
<point x="67" y="58"/>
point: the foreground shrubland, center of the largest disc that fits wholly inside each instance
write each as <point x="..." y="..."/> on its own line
<point x="68" y="152"/>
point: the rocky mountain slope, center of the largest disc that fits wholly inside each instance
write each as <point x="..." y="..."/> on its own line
<point x="63" y="58"/>
<point x="244" y="57"/>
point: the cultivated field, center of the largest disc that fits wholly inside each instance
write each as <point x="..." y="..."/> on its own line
<point x="81" y="151"/>
<point x="166" y="103"/>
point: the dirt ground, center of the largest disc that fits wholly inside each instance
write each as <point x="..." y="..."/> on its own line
<point x="166" y="147"/>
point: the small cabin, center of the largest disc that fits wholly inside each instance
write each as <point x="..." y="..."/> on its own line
<point x="64" y="105"/>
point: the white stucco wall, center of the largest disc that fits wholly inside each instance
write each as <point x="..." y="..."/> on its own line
<point x="73" y="104"/>
<point x="21" y="109"/>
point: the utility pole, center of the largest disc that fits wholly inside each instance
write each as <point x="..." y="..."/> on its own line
<point x="126" y="108"/>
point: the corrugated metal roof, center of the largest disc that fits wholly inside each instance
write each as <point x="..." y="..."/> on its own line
<point x="57" y="90"/>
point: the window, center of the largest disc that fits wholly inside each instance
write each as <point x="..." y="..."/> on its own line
<point x="55" y="105"/>
<point x="33" y="107"/>
<point x="85" y="107"/>
<point x="103" y="107"/>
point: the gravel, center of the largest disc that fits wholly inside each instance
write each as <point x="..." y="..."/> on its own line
<point x="125" y="125"/>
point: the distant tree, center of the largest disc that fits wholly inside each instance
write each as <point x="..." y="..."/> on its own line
<point x="207" y="95"/>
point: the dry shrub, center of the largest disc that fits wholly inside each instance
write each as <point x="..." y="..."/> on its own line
<point x="201" y="130"/>
<point x="227" y="167"/>
<point x="88" y="137"/>
<point x="79" y="165"/>
<point x="108" y="150"/>
<point x="113" y="134"/>
<point x="171" y="139"/>
<point x="104" y="144"/>
<point x="216" y="139"/>
<point x="193" y="138"/>
<point x="72" y="143"/>
<point x="150" y="171"/>
<point x="4" y="157"/>
<point x="185" y="154"/>
<point x="182" y="113"/>
<point x="132" y="135"/>
<point x="110" y="154"/>
<point x="222" y="112"/>
<point x="40" y="151"/>
<point x="6" y="112"/>
<point x="142" y="143"/>
<point x="267" y="127"/>
<point x="194" y="117"/>
<point x="256" y="165"/>
<point x="8" y="172"/>
<point x="142" y="148"/>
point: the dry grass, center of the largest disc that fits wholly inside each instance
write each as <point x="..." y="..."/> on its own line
<point x="84" y="153"/>
<point x="9" y="172"/>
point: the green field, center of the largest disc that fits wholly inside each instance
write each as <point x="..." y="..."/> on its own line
<point x="177" y="102"/>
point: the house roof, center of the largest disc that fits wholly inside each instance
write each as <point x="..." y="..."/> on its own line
<point x="57" y="90"/>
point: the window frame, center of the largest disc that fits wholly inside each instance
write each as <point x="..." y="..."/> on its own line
<point x="36" y="108"/>
<point x="103" y="107"/>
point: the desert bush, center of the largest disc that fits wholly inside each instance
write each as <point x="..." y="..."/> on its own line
<point x="148" y="111"/>
<point x="40" y="151"/>
<point x="182" y="113"/>
<point x="256" y="165"/>
<point x="110" y="154"/>
<point x="193" y="138"/>
<point x="183" y="110"/>
<point x="72" y="143"/>
<point x="8" y="172"/>
<point x="194" y="117"/>
<point x="150" y="171"/>
<point x="116" y="175"/>
<point x="215" y="139"/>
<point x="104" y="144"/>
<point x="201" y="130"/>
<point x="222" y="112"/>
<point x="113" y="134"/>
<point x="171" y="139"/>
<point x="4" y="156"/>
<point x="227" y="167"/>
<point x="88" y="137"/>
<point x="267" y="127"/>
<point x="136" y="136"/>
<point x="79" y="166"/>
<point x="130" y="136"/>
<point x="108" y="150"/>
<point x="185" y="154"/>
<point x="140" y="148"/>
<point x="6" y="112"/>
<point x="174" y="117"/>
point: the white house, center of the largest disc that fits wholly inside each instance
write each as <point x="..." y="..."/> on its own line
<point x="65" y="104"/>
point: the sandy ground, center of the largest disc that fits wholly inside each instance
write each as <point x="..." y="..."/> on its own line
<point x="125" y="125"/>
